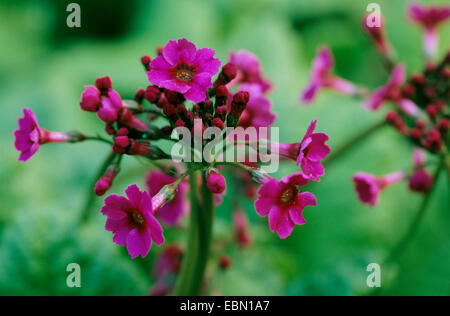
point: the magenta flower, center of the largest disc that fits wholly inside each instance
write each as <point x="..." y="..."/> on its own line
<point x="132" y="221"/>
<point x="429" y="18"/>
<point x="308" y="153"/>
<point x="171" y="213"/>
<point x="249" y="70"/>
<point x="392" y="92"/>
<point x="258" y="112"/>
<point x="368" y="187"/>
<point x="184" y="69"/>
<point x="284" y="203"/>
<point x="321" y="77"/>
<point x="29" y="136"/>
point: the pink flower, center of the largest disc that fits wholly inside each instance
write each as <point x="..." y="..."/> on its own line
<point x="258" y="112"/>
<point x="369" y="187"/>
<point x="309" y="152"/>
<point x="421" y="181"/>
<point x="132" y="221"/>
<point x="29" y="136"/>
<point x="249" y="70"/>
<point x="184" y="69"/>
<point x="171" y="213"/>
<point x="429" y="18"/>
<point x="392" y="92"/>
<point x="284" y="203"/>
<point x="321" y="77"/>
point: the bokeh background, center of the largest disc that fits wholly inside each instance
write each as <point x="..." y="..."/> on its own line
<point x="44" y="65"/>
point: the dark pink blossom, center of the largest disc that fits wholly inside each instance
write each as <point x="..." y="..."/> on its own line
<point x="368" y="187"/>
<point x="429" y="18"/>
<point x="391" y="91"/>
<point x="184" y="69"/>
<point x="132" y="221"/>
<point x="283" y="202"/>
<point x="308" y="153"/>
<point x="321" y="77"/>
<point x="421" y="181"/>
<point x="29" y="136"/>
<point x="249" y="70"/>
<point x="258" y="112"/>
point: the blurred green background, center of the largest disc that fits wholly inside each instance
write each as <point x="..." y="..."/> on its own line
<point x="44" y="65"/>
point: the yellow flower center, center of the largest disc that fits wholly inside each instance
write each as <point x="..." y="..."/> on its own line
<point x="288" y="195"/>
<point x="184" y="73"/>
<point x="137" y="218"/>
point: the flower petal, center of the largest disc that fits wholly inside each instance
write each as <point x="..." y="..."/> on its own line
<point x="139" y="242"/>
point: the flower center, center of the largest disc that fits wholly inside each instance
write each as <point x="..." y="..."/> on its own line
<point x="288" y="195"/>
<point x="136" y="219"/>
<point x="184" y="73"/>
<point x="306" y="151"/>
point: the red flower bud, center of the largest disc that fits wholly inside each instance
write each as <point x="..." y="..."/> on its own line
<point x="216" y="183"/>
<point x="128" y="119"/>
<point x="103" y="83"/>
<point x="217" y="122"/>
<point x="225" y="262"/>
<point x="152" y="94"/>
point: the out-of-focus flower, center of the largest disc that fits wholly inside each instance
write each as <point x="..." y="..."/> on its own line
<point x="391" y="91"/>
<point x="29" y="136"/>
<point x="249" y="70"/>
<point x="368" y="187"/>
<point x="132" y="221"/>
<point x="171" y="213"/>
<point x="165" y="270"/>
<point x="283" y="202"/>
<point x="309" y="152"/>
<point x="421" y="181"/>
<point x="241" y="227"/>
<point x="429" y="18"/>
<point x="184" y="69"/>
<point x="377" y="35"/>
<point x="321" y="77"/>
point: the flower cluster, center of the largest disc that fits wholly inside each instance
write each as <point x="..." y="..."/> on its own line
<point x="421" y="110"/>
<point x="189" y="91"/>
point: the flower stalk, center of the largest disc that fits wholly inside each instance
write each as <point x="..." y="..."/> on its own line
<point x="199" y="240"/>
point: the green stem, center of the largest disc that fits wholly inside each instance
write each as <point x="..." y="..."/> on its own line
<point x="413" y="228"/>
<point x="353" y="142"/>
<point x="199" y="240"/>
<point x="90" y="195"/>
